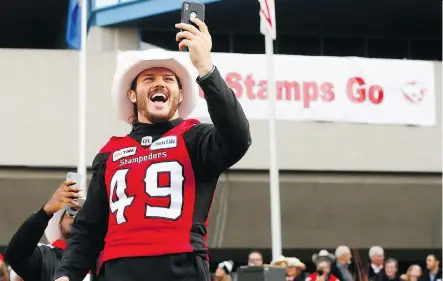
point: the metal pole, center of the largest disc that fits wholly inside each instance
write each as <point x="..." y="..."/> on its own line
<point x="82" y="86"/>
<point x="273" y="169"/>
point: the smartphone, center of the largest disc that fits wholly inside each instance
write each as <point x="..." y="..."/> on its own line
<point x="192" y="10"/>
<point x="78" y="179"/>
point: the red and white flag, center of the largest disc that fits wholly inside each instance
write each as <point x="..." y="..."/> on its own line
<point x="267" y="16"/>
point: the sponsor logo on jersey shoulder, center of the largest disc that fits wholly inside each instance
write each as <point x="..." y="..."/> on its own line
<point x="164" y="143"/>
<point x="146" y="141"/>
<point x="122" y="153"/>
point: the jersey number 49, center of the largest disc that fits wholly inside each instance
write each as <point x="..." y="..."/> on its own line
<point x="173" y="189"/>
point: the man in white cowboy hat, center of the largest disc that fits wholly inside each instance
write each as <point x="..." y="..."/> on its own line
<point x="31" y="260"/>
<point x="151" y="190"/>
<point x="294" y="267"/>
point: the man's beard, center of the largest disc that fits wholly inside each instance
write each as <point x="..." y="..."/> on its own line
<point x="142" y="108"/>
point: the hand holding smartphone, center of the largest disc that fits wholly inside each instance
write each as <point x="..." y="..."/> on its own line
<point x="78" y="179"/>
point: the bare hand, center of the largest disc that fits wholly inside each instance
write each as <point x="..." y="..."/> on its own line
<point x="62" y="197"/>
<point x="199" y="42"/>
<point x="64" y="278"/>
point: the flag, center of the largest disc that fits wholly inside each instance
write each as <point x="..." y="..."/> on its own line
<point x="74" y="25"/>
<point x="267" y="18"/>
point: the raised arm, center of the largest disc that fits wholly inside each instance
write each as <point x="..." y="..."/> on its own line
<point x="89" y="228"/>
<point x="23" y="253"/>
<point x="227" y="141"/>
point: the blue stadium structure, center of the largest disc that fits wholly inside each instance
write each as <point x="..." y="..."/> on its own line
<point x="393" y="29"/>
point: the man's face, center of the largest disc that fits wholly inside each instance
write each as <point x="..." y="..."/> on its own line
<point x="291" y="271"/>
<point x="157" y="95"/>
<point x="391" y="269"/>
<point x="255" y="259"/>
<point x="65" y="225"/>
<point x="377" y="260"/>
<point x="220" y="272"/>
<point x="325" y="266"/>
<point x="347" y="257"/>
<point x="431" y="262"/>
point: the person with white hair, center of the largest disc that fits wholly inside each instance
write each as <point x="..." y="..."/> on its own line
<point x="377" y="257"/>
<point x="340" y="268"/>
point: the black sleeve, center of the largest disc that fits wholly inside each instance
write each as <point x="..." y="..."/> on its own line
<point x="22" y="253"/>
<point x="89" y="228"/>
<point x="221" y="145"/>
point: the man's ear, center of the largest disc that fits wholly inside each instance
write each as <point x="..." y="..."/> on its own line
<point x="180" y="99"/>
<point x="132" y="96"/>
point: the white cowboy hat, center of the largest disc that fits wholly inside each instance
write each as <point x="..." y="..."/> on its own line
<point x="288" y="262"/>
<point x="52" y="231"/>
<point x="227" y="266"/>
<point x="130" y="64"/>
<point x="323" y="254"/>
<point x="280" y="261"/>
<point x="14" y="276"/>
<point x="294" y="262"/>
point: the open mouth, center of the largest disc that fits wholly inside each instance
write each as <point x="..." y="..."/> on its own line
<point x="159" y="97"/>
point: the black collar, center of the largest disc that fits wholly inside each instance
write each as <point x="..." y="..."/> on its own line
<point x="154" y="129"/>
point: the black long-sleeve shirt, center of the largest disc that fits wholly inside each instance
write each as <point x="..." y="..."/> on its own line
<point x="30" y="260"/>
<point x="211" y="148"/>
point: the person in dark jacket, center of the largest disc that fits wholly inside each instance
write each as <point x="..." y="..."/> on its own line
<point x="375" y="267"/>
<point x="389" y="271"/>
<point x="433" y="271"/>
<point x="28" y="258"/>
<point x="340" y="267"/>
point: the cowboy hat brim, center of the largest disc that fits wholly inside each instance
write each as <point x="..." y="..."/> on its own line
<point x="279" y="261"/>
<point x="131" y="64"/>
<point x="294" y="262"/>
<point x="52" y="231"/>
<point x="315" y="257"/>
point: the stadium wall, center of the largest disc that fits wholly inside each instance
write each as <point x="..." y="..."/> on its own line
<point x="318" y="210"/>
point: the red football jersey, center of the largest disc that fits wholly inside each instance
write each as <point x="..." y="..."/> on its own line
<point x="151" y="193"/>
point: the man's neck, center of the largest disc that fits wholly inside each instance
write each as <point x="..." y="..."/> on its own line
<point x="142" y="119"/>
<point x="433" y="271"/>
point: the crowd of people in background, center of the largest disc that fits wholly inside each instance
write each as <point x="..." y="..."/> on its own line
<point x="335" y="267"/>
<point x="328" y="267"/>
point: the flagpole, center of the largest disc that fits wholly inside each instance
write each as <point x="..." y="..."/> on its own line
<point x="82" y="87"/>
<point x="273" y="168"/>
